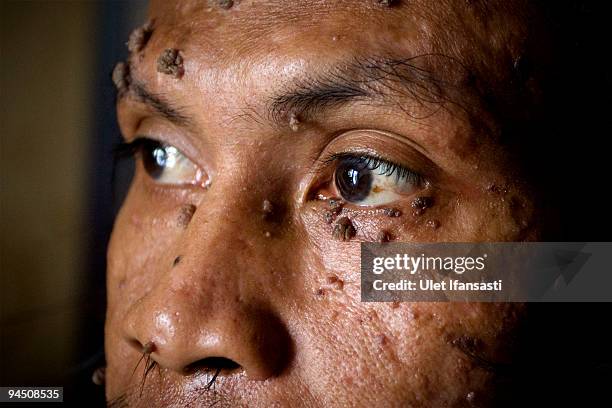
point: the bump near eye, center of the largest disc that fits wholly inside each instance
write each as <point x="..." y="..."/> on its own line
<point x="368" y="181"/>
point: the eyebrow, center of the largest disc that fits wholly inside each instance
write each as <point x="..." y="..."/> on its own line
<point x="380" y="80"/>
<point x="159" y="104"/>
<point x="375" y="80"/>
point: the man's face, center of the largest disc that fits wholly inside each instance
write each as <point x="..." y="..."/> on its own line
<point x="228" y="254"/>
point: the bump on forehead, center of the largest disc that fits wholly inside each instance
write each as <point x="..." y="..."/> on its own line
<point x="247" y="21"/>
<point x="453" y="27"/>
<point x="483" y="37"/>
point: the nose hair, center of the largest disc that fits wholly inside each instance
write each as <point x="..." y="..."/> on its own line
<point x="211" y="311"/>
<point x="253" y="340"/>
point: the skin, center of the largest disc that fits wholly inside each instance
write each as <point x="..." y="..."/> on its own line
<point x="262" y="289"/>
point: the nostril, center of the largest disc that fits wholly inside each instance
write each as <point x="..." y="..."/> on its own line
<point x="146" y="348"/>
<point x="220" y="364"/>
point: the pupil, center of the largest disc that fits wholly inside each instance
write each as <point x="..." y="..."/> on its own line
<point x="155" y="158"/>
<point x="353" y="180"/>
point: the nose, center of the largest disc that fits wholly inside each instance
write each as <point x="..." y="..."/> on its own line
<point x="212" y="309"/>
<point x="253" y="341"/>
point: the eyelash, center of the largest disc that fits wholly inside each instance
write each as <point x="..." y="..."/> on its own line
<point x="388" y="168"/>
<point x="126" y="150"/>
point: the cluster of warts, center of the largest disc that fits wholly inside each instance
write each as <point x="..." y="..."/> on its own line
<point x="170" y="61"/>
<point x="139" y="37"/>
<point x="383" y="236"/>
<point x="225" y="4"/>
<point x="433" y="224"/>
<point x="294" y="122"/>
<point x="420" y="204"/>
<point x="344" y="230"/>
<point x="121" y="78"/>
<point x="333" y="283"/>
<point x="185" y="215"/>
<point x="392" y="212"/>
<point x="137" y="41"/>
<point x="267" y="209"/>
<point x="335" y="208"/>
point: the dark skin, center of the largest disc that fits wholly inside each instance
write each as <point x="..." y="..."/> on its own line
<point x="254" y="119"/>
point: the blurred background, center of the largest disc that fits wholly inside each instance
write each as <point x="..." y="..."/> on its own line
<point x="57" y="204"/>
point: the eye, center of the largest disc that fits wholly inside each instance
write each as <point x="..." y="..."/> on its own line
<point x="370" y="181"/>
<point x="165" y="163"/>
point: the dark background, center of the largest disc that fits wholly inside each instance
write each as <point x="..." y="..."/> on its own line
<point x="58" y="201"/>
<point x="58" y="129"/>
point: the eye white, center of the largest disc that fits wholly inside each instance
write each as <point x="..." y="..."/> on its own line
<point x="367" y="182"/>
<point x="387" y="189"/>
<point x="168" y="165"/>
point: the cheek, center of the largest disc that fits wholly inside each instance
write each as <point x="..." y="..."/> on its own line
<point x="142" y="245"/>
<point x="137" y="245"/>
<point x="498" y="215"/>
<point x="400" y="352"/>
<point x="150" y="219"/>
<point x="404" y="347"/>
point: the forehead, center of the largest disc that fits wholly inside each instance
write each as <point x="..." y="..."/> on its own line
<point x="466" y="30"/>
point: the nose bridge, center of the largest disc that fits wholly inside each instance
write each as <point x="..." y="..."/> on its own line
<point x="212" y="303"/>
<point x="225" y="245"/>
